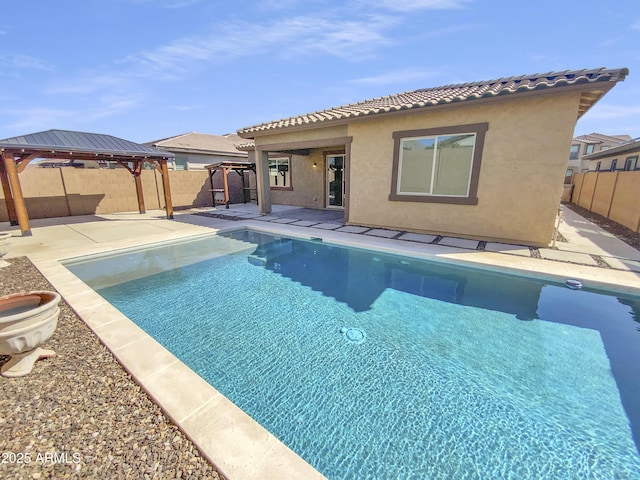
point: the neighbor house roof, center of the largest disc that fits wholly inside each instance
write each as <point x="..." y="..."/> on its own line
<point x="595" y="138"/>
<point x="201" y="143"/>
<point x="64" y="143"/>
<point x="630" y="146"/>
<point x="594" y="84"/>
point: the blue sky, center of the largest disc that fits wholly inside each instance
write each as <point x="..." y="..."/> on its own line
<point x="148" y="69"/>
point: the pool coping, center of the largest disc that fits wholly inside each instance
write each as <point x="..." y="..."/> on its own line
<point x="240" y="447"/>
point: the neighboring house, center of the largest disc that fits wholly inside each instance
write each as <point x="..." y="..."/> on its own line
<point x="586" y="145"/>
<point x="194" y="151"/>
<point x="623" y="157"/>
<point x="462" y="160"/>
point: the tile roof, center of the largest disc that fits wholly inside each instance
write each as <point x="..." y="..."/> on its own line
<point x="595" y="138"/>
<point x="626" y="147"/>
<point x="450" y="94"/>
<point x="202" y="143"/>
<point x="70" y="141"/>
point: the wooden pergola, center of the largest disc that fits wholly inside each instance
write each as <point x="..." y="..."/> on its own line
<point x="17" y="152"/>
<point x="226" y="167"/>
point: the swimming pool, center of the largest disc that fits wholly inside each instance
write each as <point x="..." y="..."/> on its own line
<point x="377" y="366"/>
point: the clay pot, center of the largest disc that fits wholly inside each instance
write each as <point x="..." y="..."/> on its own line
<point x="26" y="321"/>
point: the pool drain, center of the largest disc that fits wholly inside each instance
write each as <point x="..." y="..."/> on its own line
<point x="353" y="334"/>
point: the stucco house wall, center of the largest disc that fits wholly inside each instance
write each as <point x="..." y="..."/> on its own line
<point x="522" y="131"/>
<point x="520" y="181"/>
<point x="306" y="182"/>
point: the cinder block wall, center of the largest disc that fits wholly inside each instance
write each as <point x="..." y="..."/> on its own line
<point x="60" y="192"/>
<point x="613" y="195"/>
<point x="189" y="188"/>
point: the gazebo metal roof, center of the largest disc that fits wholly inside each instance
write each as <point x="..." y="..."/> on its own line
<point x="17" y="152"/>
<point x="66" y="143"/>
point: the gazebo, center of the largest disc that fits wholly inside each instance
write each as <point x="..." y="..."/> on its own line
<point x="227" y="166"/>
<point x="17" y="152"/>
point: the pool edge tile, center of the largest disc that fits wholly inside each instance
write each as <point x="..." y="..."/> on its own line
<point x="144" y="356"/>
<point x="241" y="443"/>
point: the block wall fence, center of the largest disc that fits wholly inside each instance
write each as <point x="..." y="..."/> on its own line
<point x="61" y="192"/>
<point x="614" y="195"/>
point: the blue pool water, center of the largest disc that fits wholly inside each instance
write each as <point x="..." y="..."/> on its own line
<point x="377" y="366"/>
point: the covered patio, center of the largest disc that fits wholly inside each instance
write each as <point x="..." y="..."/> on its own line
<point x="18" y="152"/>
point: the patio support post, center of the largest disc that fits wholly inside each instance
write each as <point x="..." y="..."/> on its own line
<point x="225" y="183"/>
<point x="167" y="188"/>
<point x="8" y="196"/>
<point x="137" y="176"/>
<point x="262" y="181"/>
<point x="19" y="205"/>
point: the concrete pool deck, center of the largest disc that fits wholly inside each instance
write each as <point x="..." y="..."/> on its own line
<point x="240" y="447"/>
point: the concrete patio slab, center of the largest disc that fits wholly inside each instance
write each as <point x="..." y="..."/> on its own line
<point x="508" y="248"/>
<point x="622" y="264"/>
<point x="417" y="237"/>
<point x="284" y="220"/>
<point x="326" y="226"/>
<point x="381" y="232"/>
<point x="572" y="257"/>
<point x="586" y="237"/>
<point x="459" y="243"/>
<point x="352" y="229"/>
<point x="304" y="223"/>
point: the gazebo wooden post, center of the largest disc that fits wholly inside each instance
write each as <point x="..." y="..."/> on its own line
<point x="19" y="205"/>
<point x="137" y="171"/>
<point x="166" y="187"/>
<point x="225" y="183"/>
<point x="8" y="196"/>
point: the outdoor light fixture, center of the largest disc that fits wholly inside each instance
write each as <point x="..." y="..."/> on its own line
<point x="315" y="164"/>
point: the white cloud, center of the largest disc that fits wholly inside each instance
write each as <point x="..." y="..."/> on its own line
<point x="298" y="36"/>
<point x="34" y="119"/>
<point x="413" y="5"/>
<point x="24" y="62"/>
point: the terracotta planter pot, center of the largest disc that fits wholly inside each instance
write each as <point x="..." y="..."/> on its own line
<point x="26" y="321"/>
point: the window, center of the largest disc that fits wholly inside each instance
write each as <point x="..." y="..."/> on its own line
<point x="438" y="165"/>
<point x="573" y="153"/>
<point x="604" y="147"/>
<point x="568" y="176"/>
<point x="631" y="163"/>
<point x="589" y="149"/>
<point x="180" y="163"/>
<point x="613" y="164"/>
<point x="279" y="172"/>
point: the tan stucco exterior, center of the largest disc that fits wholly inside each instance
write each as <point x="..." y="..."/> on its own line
<point x="520" y="184"/>
<point x="521" y="179"/>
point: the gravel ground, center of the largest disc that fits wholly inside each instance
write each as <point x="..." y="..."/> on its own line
<point x="80" y="414"/>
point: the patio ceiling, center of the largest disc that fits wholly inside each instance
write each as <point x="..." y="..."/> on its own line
<point x="17" y="152"/>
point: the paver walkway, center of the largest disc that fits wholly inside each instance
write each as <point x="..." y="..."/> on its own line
<point x="586" y="243"/>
